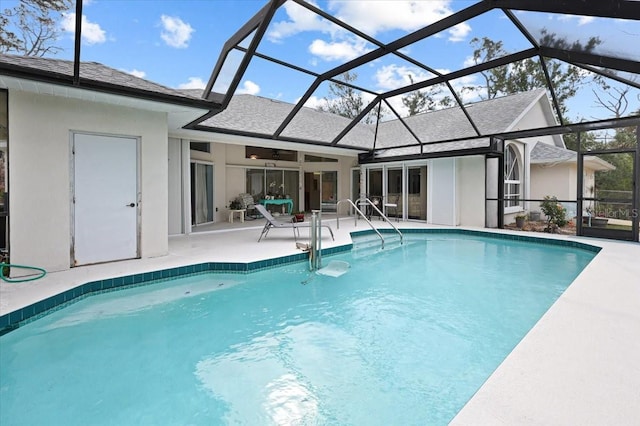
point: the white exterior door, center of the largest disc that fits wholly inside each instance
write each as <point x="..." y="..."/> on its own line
<point x="105" y="199"/>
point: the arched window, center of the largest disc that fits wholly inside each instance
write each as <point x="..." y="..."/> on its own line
<point x="511" y="178"/>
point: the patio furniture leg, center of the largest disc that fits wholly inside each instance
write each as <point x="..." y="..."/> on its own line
<point x="265" y="231"/>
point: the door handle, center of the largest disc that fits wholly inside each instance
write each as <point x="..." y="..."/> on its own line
<point x="131" y="205"/>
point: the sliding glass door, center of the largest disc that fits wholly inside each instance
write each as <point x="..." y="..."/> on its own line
<point x="417" y="193"/>
<point x="329" y="194"/>
<point x="321" y="190"/>
<point x="202" y="207"/>
<point x="276" y="183"/>
<point x="402" y="185"/>
<point x="393" y="195"/>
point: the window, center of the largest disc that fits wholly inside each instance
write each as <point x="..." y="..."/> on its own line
<point x="259" y="153"/>
<point x="317" y="159"/>
<point x="277" y="183"/>
<point x="511" y="178"/>
<point x="200" y="146"/>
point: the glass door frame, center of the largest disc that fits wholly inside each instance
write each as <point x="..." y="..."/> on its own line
<point x="331" y="204"/>
<point x="616" y="234"/>
<point x="384" y="169"/>
<point x="193" y="190"/>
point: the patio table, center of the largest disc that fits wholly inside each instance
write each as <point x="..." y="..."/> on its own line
<point x="280" y="202"/>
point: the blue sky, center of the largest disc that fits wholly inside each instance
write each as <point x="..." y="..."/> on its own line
<point x="177" y="42"/>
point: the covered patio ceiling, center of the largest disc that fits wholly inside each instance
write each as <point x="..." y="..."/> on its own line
<point x="549" y="35"/>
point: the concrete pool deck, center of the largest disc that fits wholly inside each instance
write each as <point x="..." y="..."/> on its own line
<point x="578" y="364"/>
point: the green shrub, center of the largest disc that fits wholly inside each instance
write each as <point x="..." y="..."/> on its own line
<point x="556" y="214"/>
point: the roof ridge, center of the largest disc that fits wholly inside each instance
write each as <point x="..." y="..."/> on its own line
<point x="471" y="104"/>
<point x="95" y="63"/>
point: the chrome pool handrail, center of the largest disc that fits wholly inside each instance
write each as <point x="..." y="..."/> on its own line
<point x="356" y="218"/>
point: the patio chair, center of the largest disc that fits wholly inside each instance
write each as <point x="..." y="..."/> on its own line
<point x="392" y="206"/>
<point x="247" y="202"/>
<point x="271" y="222"/>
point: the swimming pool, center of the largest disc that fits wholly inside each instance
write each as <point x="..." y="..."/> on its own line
<point x="406" y="336"/>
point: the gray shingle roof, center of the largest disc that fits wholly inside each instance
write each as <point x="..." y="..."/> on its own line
<point x="92" y="71"/>
<point x="258" y="115"/>
<point x="492" y="116"/>
<point x="254" y="114"/>
<point x="261" y="116"/>
<point x="543" y="153"/>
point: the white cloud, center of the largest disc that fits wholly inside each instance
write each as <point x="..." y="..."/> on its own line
<point x="175" y="32"/>
<point x="582" y="20"/>
<point x="585" y="20"/>
<point x="313" y="102"/>
<point x="371" y="17"/>
<point x="393" y="76"/>
<point x="136" y="73"/>
<point x="469" y="62"/>
<point x="249" y="88"/>
<point x="374" y="17"/>
<point x="91" y="32"/>
<point x="340" y="50"/>
<point x="193" y="83"/>
<point x="300" y="20"/>
<point x="459" y="32"/>
<point x="461" y="87"/>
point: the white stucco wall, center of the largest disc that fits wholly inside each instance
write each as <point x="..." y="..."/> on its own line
<point x="560" y="180"/>
<point x="229" y="162"/>
<point x="471" y="190"/>
<point x="441" y="203"/>
<point x="556" y="180"/>
<point x="536" y="118"/>
<point x="175" y="186"/>
<point x="40" y="217"/>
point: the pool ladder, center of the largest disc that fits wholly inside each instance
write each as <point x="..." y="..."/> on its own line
<point x="367" y="202"/>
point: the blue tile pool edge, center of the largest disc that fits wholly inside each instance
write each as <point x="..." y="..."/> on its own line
<point x="35" y="311"/>
<point x="22" y="316"/>
<point x="488" y="234"/>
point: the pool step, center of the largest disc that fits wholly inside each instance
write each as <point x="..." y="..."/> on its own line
<point x="364" y="247"/>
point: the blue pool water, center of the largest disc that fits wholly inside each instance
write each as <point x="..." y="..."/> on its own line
<point x="406" y="336"/>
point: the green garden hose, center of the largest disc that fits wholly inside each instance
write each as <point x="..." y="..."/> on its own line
<point x="41" y="273"/>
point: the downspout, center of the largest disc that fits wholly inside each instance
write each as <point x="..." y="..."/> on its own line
<point x="78" y="43"/>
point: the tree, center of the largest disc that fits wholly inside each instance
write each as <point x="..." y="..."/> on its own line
<point x="528" y="74"/>
<point x="494" y="79"/>
<point x="416" y="101"/>
<point x="428" y="99"/>
<point x="613" y="99"/>
<point x="346" y="101"/>
<point x="588" y="141"/>
<point x="30" y="28"/>
<point x="343" y="99"/>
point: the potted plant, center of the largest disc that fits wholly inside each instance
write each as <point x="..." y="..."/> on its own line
<point x="520" y="220"/>
<point x="298" y="217"/>
<point x="235" y="204"/>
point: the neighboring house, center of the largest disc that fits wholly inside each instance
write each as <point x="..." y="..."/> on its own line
<point x="554" y="172"/>
<point x="106" y="170"/>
